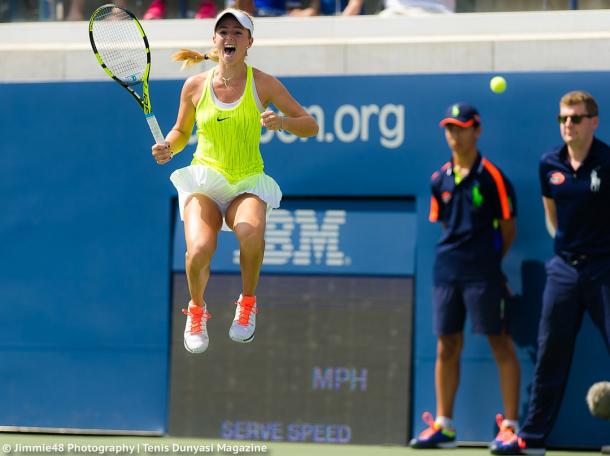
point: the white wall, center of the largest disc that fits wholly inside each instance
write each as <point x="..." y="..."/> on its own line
<point x="458" y="43"/>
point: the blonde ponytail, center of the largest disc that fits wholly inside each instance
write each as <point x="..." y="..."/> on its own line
<point x="190" y="58"/>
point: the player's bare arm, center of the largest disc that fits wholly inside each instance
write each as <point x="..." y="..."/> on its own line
<point x="180" y="133"/>
<point x="296" y="119"/>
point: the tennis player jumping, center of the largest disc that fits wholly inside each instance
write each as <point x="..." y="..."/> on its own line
<point x="225" y="185"/>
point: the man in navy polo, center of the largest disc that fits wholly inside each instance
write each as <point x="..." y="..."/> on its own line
<point x="475" y="203"/>
<point x="575" y="181"/>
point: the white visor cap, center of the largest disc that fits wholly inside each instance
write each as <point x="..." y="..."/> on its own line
<point x="241" y="17"/>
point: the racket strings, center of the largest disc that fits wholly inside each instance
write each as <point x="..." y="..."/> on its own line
<point x="120" y="44"/>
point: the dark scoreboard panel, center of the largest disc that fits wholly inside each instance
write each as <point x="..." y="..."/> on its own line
<point x="330" y="362"/>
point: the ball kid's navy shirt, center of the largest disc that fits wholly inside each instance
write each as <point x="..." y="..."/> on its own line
<point x="582" y="199"/>
<point x="470" y="248"/>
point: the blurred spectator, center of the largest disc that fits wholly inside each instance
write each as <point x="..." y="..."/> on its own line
<point x="267" y="8"/>
<point x="78" y="6"/>
<point x="417" y="7"/>
<point x="329" y="8"/>
<point x="157" y="10"/>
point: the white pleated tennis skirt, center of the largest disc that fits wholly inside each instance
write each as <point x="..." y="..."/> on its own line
<point x="209" y="182"/>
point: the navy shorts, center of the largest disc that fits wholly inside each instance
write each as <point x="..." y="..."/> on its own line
<point x="485" y="302"/>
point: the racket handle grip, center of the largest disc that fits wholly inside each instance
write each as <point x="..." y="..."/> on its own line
<point x="155" y="129"/>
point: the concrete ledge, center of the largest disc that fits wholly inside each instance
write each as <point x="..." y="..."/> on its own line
<point x="456" y="43"/>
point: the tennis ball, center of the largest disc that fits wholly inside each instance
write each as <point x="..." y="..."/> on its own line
<point x="497" y="84"/>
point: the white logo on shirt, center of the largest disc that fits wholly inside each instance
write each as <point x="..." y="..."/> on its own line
<point x="596" y="182"/>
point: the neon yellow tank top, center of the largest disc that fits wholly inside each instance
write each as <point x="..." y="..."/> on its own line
<point x="228" y="139"/>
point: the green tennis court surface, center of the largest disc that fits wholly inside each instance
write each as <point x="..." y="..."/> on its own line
<point x="45" y="444"/>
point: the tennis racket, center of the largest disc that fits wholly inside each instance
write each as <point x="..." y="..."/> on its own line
<point x="121" y="48"/>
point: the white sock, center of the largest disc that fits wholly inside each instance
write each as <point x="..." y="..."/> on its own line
<point x="444" y="421"/>
<point x="512" y="423"/>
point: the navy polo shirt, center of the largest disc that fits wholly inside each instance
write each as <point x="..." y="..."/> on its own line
<point x="470" y="248"/>
<point x="582" y="199"/>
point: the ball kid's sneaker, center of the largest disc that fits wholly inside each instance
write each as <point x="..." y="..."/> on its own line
<point x="244" y="323"/>
<point x="196" y="338"/>
<point x="435" y="436"/>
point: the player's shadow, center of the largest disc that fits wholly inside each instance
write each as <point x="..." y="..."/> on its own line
<point x="525" y="313"/>
<point x="526" y="307"/>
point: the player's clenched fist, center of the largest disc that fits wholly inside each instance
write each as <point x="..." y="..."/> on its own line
<point x="162" y="153"/>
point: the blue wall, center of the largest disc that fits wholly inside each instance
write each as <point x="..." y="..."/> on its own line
<point x="84" y="262"/>
<point x="87" y="227"/>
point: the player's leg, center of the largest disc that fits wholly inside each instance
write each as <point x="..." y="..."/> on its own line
<point x="247" y="217"/>
<point x="202" y="221"/>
